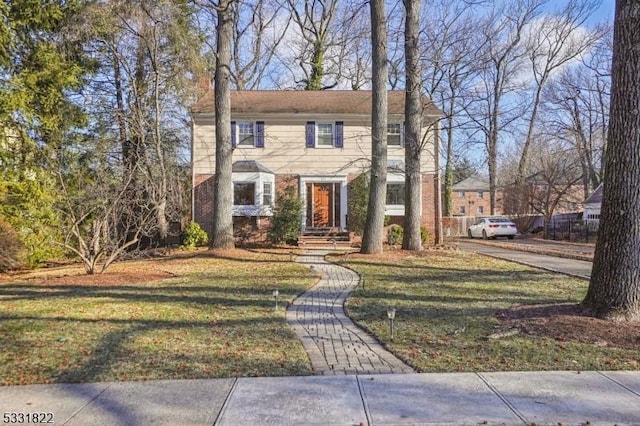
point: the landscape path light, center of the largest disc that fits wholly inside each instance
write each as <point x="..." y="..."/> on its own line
<point x="391" y="314"/>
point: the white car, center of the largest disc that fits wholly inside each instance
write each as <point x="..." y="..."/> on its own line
<point x="492" y="227"/>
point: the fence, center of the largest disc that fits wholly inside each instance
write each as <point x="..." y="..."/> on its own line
<point x="577" y="230"/>
<point x="561" y="227"/>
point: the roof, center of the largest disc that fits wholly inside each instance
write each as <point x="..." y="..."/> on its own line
<point x="249" y="166"/>
<point x="471" y="184"/>
<point x="595" y="197"/>
<point x="308" y="101"/>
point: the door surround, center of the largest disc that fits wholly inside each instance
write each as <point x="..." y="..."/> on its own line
<point x="337" y="209"/>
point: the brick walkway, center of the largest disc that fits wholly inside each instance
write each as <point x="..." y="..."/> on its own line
<point x="334" y="344"/>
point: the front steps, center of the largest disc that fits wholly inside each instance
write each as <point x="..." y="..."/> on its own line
<point x="325" y="238"/>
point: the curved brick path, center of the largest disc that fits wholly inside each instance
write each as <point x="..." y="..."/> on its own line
<point x="334" y="344"/>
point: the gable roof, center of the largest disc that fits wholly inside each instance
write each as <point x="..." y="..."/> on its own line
<point x="471" y="184"/>
<point x="595" y="197"/>
<point x="309" y="101"/>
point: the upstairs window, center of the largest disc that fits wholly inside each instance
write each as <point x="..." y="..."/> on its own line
<point x="394" y="134"/>
<point x="480" y="195"/>
<point x="247" y="134"/>
<point x="324" y="135"/>
<point x="461" y="194"/>
<point x="244" y="194"/>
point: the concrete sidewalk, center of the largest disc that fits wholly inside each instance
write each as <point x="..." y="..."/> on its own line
<point x="567" y="398"/>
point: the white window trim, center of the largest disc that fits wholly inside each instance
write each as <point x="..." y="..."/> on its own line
<point x="394" y="209"/>
<point x="333" y="134"/>
<point x="401" y="145"/>
<point x="238" y="138"/>
<point x="342" y="180"/>
<point x="259" y="179"/>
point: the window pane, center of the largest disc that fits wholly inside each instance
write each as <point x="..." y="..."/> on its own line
<point x="395" y="194"/>
<point x="245" y="134"/>
<point x="480" y="194"/>
<point x="394" y="134"/>
<point x="267" y="196"/>
<point x="244" y="194"/>
<point x="325" y="134"/>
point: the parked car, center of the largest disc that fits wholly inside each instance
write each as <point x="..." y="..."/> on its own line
<point x="492" y="227"/>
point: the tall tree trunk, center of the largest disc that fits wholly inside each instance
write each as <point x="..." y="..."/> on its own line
<point x="448" y="170"/>
<point x="372" y="239"/>
<point x="412" y="239"/>
<point x="223" y="184"/>
<point x="614" y="289"/>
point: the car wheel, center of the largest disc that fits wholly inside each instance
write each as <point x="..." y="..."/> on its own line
<point x="469" y="234"/>
<point x="510" y="237"/>
<point x="484" y="235"/>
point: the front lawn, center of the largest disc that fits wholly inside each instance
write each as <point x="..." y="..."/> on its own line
<point x="453" y="314"/>
<point x="186" y="316"/>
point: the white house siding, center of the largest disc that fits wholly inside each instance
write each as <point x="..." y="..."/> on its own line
<point x="285" y="151"/>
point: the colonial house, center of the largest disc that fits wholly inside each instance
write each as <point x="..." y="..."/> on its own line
<point x="471" y="197"/>
<point x="313" y="142"/>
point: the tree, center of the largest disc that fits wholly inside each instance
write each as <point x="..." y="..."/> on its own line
<point x="41" y="67"/>
<point x="614" y="288"/>
<point x="448" y="63"/>
<point x="146" y="52"/>
<point x="223" y="184"/>
<point x="552" y="43"/>
<point x="372" y="239"/>
<point x="412" y="239"/>
<point x="313" y="22"/>
<point x="503" y="54"/>
<point x="557" y="174"/>
<point x="256" y="38"/>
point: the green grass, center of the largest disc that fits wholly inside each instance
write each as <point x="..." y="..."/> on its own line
<point x="212" y="317"/>
<point x="446" y="304"/>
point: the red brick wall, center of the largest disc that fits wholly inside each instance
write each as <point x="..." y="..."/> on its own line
<point x="429" y="204"/>
<point x="203" y="202"/>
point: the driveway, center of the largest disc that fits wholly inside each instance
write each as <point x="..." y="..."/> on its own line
<point x="577" y="268"/>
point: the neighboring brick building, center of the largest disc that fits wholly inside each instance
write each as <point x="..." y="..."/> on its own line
<point x="315" y="142"/>
<point x="471" y="197"/>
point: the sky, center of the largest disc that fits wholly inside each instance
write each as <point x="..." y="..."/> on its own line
<point x="605" y="12"/>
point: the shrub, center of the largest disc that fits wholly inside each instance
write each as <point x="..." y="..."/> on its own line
<point x="194" y="236"/>
<point x="394" y="235"/>
<point x="358" y="203"/>
<point x="285" y="223"/>
<point x="10" y="247"/>
<point x="424" y="234"/>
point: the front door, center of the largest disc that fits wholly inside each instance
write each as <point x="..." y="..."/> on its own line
<point x="323" y="205"/>
<point x="322" y="194"/>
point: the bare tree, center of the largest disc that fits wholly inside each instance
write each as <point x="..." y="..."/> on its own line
<point x="259" y="28"/>
<point x="372" y="239"/>
<point x="558" y="172"/>
<point x="102" y="222"/>
<point x="412" y="239"/>
<point x="313" y="20"/>
<point x="614" y="288"/>
<point x="223" y="183"/>
<point x="576" y="108"/>
<point x="504" y="54"/>
<point x="449" y="61"/>
<point x="551" y="43"/>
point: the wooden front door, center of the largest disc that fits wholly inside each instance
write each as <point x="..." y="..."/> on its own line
<point x="322" y="197"/>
